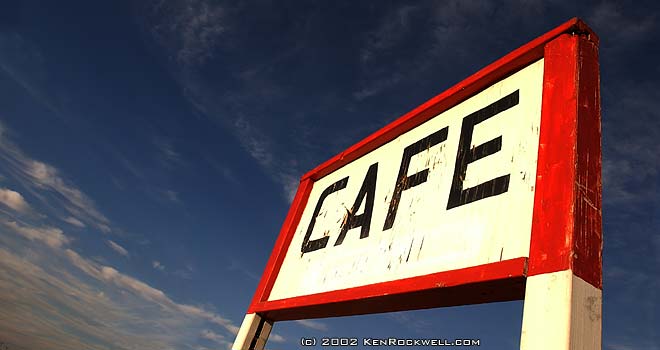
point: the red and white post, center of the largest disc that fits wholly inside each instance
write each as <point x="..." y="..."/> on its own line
<point x="253" y="333"/>
<point x="563" y="296"/>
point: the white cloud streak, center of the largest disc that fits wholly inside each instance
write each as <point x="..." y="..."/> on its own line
<point x="254" y="142"/>
<point x="83" y="264"/>
<point x="110" y="275"/>
<point x="618" y="347"/>
<point x="44" y="182"/>
<point x="209" y="316"/>
<point x="259" y="146"/>
<point x="210" y="335"/>
<point x="390" y="32"/>
<point x="191" y="31"/>
<point x="14" y="200"/>
<point x="45" y="307"/>
<point x="190" y="28"/>
<point x="171" y="196"/>
<point x="276" y="338"/>
<point x="168" y="155"/>
<point x="51" y="236"/>
<point x="117" y="248"/>
<point x="157" y="265"/>
<point x="416" y="324"/>
<point x="235" y="265"/>
<point x="107" y="308"/>
<point x="75" y="222"/>
<point x="23" y="62"/>
<point x="311" y="324"/>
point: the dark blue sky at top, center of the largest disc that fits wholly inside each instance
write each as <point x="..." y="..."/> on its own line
<point x="149" y="151"/>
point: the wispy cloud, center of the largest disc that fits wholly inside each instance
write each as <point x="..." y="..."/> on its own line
<point x="193" y="31"/>
<point x="210" y="335"/>
<point x="436" y="36"/>
<point x="107" y="309"/>
<point x="157" y="265"/>
<point x="616" y="27"/>
<point x="14" y="200"/>
<point x="23" y="62"/>
<point x="276" y="338"/>
<point x="74" y="302"/>
<point x="376" y="85"/>
<point x="226" y="172"/>
<point x="185" y="273"/>
<point x="117" y="248"/>
<point x="75" y="222"/>
<point x="172" y="195"/>
<point x="391" y="32"/>
<point x="260" y="146"/>
<point x="254" y="141"/>
<point x="45" y="182"/>
<point x="128" y="165"/>
<point x="49" y="308"/>
<point x="631" y="153"/>
<point x="190" y="28"/>
<point x="618" y="347"/>
<point x="168" y="155"/>
<point x="405" y="319"/>
<point x="235" y="265"/>
<point x="634" y="284"/>
<point x="656" y="245"/>
<point x="632" y="344"/>
<point x="209" y="316"/>
<point x="85" y="265"/>
<point x="311" y="324"/>
<point x="51" y="236"/>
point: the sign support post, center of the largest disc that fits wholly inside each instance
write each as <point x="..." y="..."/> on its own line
<point x="506" y="176"/>
<point x="563" y="296"/>
<point x="253" y="333"/>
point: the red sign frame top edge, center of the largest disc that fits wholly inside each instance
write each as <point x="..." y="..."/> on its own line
<point x="504" y="280"/>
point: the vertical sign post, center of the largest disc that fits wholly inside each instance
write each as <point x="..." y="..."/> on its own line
<point x="563" y="295"/>
<point x="503" y="171"/>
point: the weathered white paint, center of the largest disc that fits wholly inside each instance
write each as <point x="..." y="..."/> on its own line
<point x="247" y="333"/>
<point x="426" y="237"/>
<point x="561" y="312"/>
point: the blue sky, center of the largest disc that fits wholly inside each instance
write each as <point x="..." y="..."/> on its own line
<point x="149" y="151"/>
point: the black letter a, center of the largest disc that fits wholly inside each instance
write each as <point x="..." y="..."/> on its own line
<point x="364" y="219"/>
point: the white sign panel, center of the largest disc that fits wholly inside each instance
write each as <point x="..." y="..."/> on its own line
<point x="456" y="191"/>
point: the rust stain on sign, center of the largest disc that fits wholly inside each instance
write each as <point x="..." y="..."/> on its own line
<point x="344" y="221"/>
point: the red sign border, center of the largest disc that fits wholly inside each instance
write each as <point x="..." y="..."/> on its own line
<point x="566" y="224"/>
